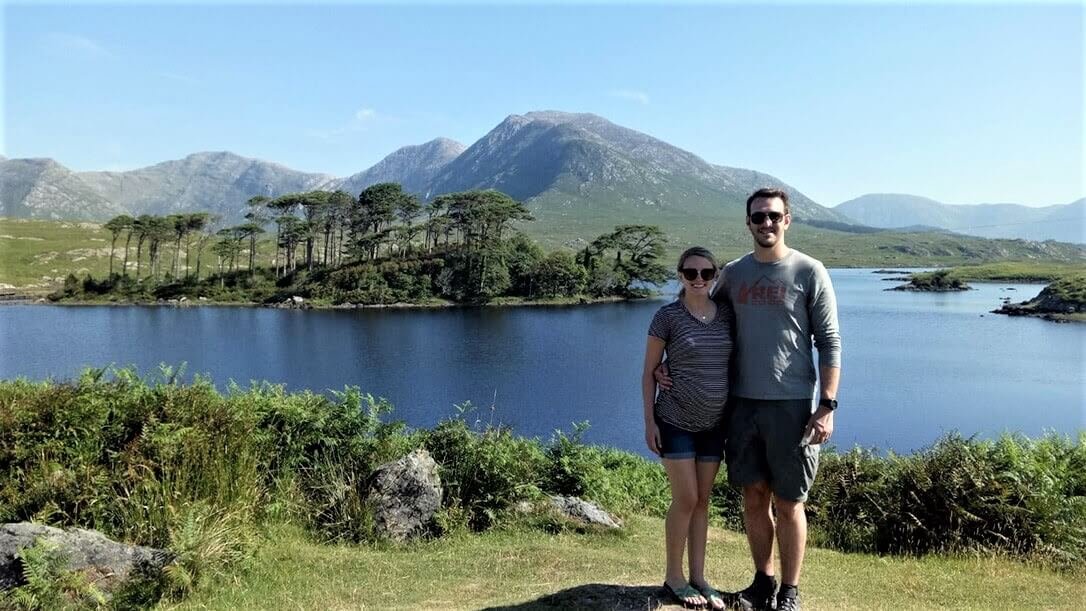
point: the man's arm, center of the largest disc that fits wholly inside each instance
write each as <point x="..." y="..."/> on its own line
<point x="822" y="313"/>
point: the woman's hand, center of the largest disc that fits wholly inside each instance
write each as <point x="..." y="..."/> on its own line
<point x="652" y="438"/>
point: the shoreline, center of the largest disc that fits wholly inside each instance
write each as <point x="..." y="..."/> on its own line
<point x="309" y="305"/>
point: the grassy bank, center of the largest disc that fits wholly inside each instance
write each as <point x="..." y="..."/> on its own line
<point x="218" y="477"/>
<point x="1010" y="271"/>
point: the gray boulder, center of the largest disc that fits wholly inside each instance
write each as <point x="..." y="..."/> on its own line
<point x="105" y="562"/>
<point x="405" y="496"/>
<point x="584" y="512"/>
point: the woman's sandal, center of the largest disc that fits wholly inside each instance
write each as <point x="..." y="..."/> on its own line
<point x="684" y="593"/>
<point x="709" y="594"/>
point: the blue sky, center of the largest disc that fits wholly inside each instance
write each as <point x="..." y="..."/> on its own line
<point x="960" y="103"/>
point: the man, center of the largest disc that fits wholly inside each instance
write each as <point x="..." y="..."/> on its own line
<point x="782" y="299"/>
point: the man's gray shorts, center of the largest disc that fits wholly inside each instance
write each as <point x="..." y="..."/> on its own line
<point x="763" y="446"/>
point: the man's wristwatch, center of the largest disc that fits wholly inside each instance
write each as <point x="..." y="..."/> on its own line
<point x="830" y="404"/>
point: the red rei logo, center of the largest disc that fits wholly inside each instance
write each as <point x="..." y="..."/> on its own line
<point x="761" y="293"/>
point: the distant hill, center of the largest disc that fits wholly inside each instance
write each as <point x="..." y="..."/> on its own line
<point x="1065" y="223"/>
<point x="219" y="182"/>
<point x="42" y="188"/>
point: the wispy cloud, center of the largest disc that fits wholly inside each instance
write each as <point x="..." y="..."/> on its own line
<point x="360" y="121"/>
<point x="627" y="94"/>
<point x="74" y="44"/>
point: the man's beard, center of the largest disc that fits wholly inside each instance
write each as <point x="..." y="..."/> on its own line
<point x="766" y="241"/>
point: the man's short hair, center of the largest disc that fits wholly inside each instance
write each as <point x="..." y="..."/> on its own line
<point x="767" y="193"/>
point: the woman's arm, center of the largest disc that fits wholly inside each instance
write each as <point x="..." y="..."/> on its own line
<point x="654" y="353"/>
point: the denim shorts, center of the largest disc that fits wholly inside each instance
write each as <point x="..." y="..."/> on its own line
<point x="703" y="446"/>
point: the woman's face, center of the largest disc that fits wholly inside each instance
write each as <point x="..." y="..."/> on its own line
<point x="703" y="271"/>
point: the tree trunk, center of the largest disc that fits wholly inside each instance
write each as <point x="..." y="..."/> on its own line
<point x="112" y="247"/>
<point x="128" y="240"/>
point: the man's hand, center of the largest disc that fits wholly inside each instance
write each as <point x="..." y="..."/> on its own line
<point x="820" y="426"/>
<point x="652" y="438"/>
<point x="663" y="380"/>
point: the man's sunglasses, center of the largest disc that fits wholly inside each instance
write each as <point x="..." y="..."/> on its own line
<point x="759" y="217"/>
<point x="691" y="274"/>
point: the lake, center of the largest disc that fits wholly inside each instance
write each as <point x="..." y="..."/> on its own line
<point x="915" y="365"/>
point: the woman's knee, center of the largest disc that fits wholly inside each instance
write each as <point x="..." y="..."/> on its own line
<point x="685" y="500"/>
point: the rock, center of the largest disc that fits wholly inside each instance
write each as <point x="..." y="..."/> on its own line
<point x="296" y="300"/>
<point x="105" y="562"/>
<point x="406" y="495"/>
<point x="584" y="512"/>
<point x="202" y="298"/>
<point x="183" y="299"/>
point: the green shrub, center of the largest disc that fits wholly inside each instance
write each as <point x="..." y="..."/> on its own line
<point x="484" y="472"/>
<point x="48" y="584"/>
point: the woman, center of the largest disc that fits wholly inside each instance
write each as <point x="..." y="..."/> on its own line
<point x="684" y="424"/>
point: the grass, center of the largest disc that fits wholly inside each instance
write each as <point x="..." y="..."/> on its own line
<point x="1015" y="271"/>
<point x="36" y="255"/>
<point x="513" y="567"/>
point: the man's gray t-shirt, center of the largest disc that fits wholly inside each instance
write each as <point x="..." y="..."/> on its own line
<point x="778" y="308"/>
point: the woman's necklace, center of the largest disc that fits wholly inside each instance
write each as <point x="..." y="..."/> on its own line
<point x="699" y="315"/>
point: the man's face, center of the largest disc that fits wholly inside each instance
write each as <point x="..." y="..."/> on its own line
<point x="768" y="233"/>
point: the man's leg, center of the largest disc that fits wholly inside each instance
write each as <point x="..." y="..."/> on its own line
<point x="758" y="521"/>
<point x="792" y="537"/>
<point x="794" y="469"/>
<point x="748" y="469"/>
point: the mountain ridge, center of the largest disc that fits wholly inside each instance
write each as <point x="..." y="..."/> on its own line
<point x="558" y="162"/>
<point x="1061" y="222"/>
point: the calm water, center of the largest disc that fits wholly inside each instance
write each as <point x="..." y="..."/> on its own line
<point x="915" y="364"/>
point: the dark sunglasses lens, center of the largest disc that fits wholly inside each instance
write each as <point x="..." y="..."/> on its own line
<point x="692" y="274"/>
<point x="759" y="217"/>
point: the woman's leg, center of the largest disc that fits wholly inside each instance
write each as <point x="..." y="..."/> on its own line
<point x="682" y="476"/>
<point x="699" y="522"/>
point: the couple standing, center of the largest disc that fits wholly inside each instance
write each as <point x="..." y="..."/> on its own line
<point x="747" y="344"/>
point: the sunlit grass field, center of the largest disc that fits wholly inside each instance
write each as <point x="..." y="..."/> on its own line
<point x="520" y="567"/>
<point x="36" y="255"/>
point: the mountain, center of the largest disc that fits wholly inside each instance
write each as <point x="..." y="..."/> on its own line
<point x="414" y="167"/>
<point x="564" y="162"/>
<point x="219" y="182"/>
<point x="577" y="172"/>
<point x="42" y="188"/>
<point x="1065" y="223"/>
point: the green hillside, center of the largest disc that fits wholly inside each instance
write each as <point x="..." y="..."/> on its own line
<point x="36" y="255"/>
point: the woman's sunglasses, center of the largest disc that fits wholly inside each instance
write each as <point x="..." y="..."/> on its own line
<point x="759" y="217"/>
<point x="691" y="274"/>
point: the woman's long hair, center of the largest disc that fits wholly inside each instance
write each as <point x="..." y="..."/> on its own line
<point x="694" y="251"/>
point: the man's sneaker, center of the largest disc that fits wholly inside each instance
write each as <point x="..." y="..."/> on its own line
<point x="751" y="599"/>
<point x="788" y="603"/>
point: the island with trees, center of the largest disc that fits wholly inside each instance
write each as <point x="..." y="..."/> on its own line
<point x="322" y="248"/>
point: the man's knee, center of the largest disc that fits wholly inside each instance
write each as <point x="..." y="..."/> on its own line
<point x="789" y="511"/>
<point x="757" y="495"/>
